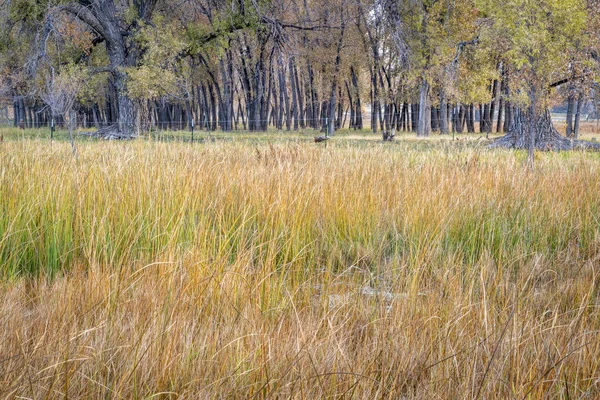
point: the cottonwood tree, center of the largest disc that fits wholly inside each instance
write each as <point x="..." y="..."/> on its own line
<point x="540" y="33"/>
<point x="422" y="66"/>
<point x="115" y="24"/>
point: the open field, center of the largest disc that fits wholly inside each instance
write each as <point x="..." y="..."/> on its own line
<point x="272" y="267"/>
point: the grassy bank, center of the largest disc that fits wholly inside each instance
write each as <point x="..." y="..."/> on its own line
<point x="354" y="269"/>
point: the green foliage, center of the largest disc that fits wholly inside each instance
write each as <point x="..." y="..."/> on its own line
<point x="151" y="82"/>
<point x="536" y="37"/>
<point x="28" y="10"/>
<point x="215" y="36"/>
<point x="161" y="67"/>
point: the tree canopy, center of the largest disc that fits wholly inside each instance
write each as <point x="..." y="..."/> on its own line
<point x="426" y="66"/>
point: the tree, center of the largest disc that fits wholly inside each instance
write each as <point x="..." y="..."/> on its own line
<point x="61" y="91"/>
<point x="114" y="22"/>
<point x="539" y="34"/>
<point x="116" y="25"/>
<point x="424" y="65"/>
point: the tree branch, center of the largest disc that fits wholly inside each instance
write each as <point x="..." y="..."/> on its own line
<point x="84" y="15"/>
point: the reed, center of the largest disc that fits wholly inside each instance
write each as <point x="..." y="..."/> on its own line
<point x="238" y="269"/>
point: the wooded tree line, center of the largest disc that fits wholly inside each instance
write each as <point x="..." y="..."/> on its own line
<point x="423" y="66"/>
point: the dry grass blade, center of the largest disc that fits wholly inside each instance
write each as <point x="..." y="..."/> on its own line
<point x="289" y="270"/>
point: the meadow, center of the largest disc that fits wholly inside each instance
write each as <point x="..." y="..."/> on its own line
<point x="269" y="266"/>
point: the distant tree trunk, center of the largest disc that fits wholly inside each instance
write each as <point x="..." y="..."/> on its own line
<point x="486" y="119"/>
<point x="15" y="112"/>
<point x="460" y="118"/>
<point x="294" y="93"/>
<point x="414" y="117"/>
<point x="95" y="116"/>
<point x="213" y="108"/>
<point x="493" y="105"/>
<point x="227" y="102"/>
<point x="358" y="106"/>
<point x="314" y="107"/>
<point x="570" y="108"/>
<point x="265" y="103"/>
<point x="424" y="128"/>
<point x="22" y="112"/>
<point x="375" y="100"/>
<point x="334" y="84"/>
<point x="471" y="118"/>
<point x="340" y="111"/>
<point x="351" y="100"/>
<point x="301" y="114"/>
<point x="444" y="130"/>
<point x="533" y="129"/>
<point x="31" y="123"/>
<point x="501" y="105"/>
<point x="277" y="109"/>
<point x="435" y="123"/>
<point x="481" y="119"/>
<point x="454" y="118"/>
<point x="265" y="86"/>
<point x="284" y="99"/>
<point x="580" y="101"/>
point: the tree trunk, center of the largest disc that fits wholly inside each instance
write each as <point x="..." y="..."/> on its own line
<point x="443" y="113"/>
<point x="414" y="117"/>
<point x="471" y="118"/>
<point x="486" y="119"/>
<point x="358" y="119"/>
<point x="460" y="118"/>
<point x="351" y="100"/>
<point x="570" y="107"/>
<point x="424" y="128"/>
<point x="314" y="108"/>
<point x="580" y="101"/>
<point x="294" y="94"/>
<point x="334" y="84"/>
<point x="435" y="122"/>
<point x="375" y="101"/>
<point x="481" y="119"/>
<point x="493" y="105"/>
<point x="300" y="98"/>
<point x="530" y="131"/>
<point x="501" y="105"/>
<point x="339" y="122"/>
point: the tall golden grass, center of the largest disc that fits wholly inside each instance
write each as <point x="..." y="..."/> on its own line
<point x="240" y="270"/>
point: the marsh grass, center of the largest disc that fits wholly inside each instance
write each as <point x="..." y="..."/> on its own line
<point x="234" y="269"/>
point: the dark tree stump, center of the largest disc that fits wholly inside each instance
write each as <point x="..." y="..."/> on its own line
<point x="389" y="136"/>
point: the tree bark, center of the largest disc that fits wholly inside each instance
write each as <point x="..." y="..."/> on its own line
<point x="493" y="106"/>
<point x="471" y="118"/>
<point x="444" y="130"/>
<point x="580" y="101"/>
<point x="531" y="130"/>
<point x="570" y="107"/>
<point x="294" y="94"/>
<point x="358" y="119"/>
<point x="424" y="128"/>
